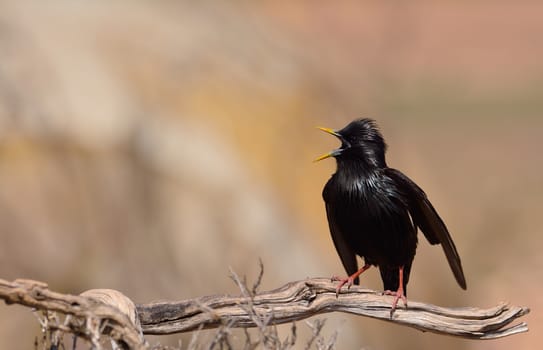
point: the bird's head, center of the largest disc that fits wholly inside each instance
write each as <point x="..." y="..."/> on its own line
<point x="361" y="141"/>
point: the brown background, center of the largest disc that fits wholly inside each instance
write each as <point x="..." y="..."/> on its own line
<point x="148" y="146"/>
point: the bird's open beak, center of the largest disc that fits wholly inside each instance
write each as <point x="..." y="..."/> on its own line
<point x="334" y="152"/>
<point x="330" y="131"/>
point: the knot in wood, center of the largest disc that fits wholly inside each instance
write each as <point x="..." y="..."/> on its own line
<point x="306" y="294"/>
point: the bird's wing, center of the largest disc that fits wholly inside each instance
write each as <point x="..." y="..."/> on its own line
<point x="427" y="219"/>
<point x="346" y="253"/>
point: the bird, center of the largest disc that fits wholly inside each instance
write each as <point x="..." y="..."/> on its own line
<point x="374" y="212"/>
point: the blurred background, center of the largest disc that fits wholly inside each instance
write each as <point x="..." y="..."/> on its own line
<point x="149" y="146"/>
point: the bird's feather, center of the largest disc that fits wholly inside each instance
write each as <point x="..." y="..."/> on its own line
<point x="346" y="253"/>
<point x="428" y="220"/>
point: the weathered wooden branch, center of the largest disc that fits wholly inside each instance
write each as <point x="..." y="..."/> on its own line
<point x="89" y="315"/>
<point x="302" y="299"/>
<point x="292" y="302"/>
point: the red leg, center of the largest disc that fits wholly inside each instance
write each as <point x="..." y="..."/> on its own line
<point x="399" y="294"/>
<point x="349" y="280"/>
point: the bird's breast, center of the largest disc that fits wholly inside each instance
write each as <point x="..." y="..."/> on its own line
<point x="374" y="220"/>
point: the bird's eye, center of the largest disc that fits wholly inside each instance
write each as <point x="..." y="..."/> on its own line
<point x="345" y="144"/>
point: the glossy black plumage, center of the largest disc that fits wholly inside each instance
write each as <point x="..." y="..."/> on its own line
<point x="374" y="211"/>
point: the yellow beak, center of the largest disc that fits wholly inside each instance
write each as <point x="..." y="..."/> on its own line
<point x="328" y="130"/>
<point x="324" y="156"/>
<point x="334" y="152"/>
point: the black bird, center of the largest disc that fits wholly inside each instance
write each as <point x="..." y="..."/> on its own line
<point x="374" y="212"/>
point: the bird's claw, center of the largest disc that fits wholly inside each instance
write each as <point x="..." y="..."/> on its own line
<point x="349" y="281"/>
<point x="399" y="294"/>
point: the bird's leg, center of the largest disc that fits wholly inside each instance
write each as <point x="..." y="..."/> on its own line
<point x="349" y="280"/>
<point x="399" y="294"/>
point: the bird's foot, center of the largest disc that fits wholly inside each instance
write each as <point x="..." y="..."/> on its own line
<point x="349" y="281"/>
<point x="399" y="294"/>
<point x="342" y="281"/>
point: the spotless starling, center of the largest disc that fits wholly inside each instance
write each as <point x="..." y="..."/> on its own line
<point x="374" y="212"/>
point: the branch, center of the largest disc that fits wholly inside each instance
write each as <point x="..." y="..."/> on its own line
<point x="302" y="299"/>
<point x="93" y="313"/>
<point x="112" y="312"/>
